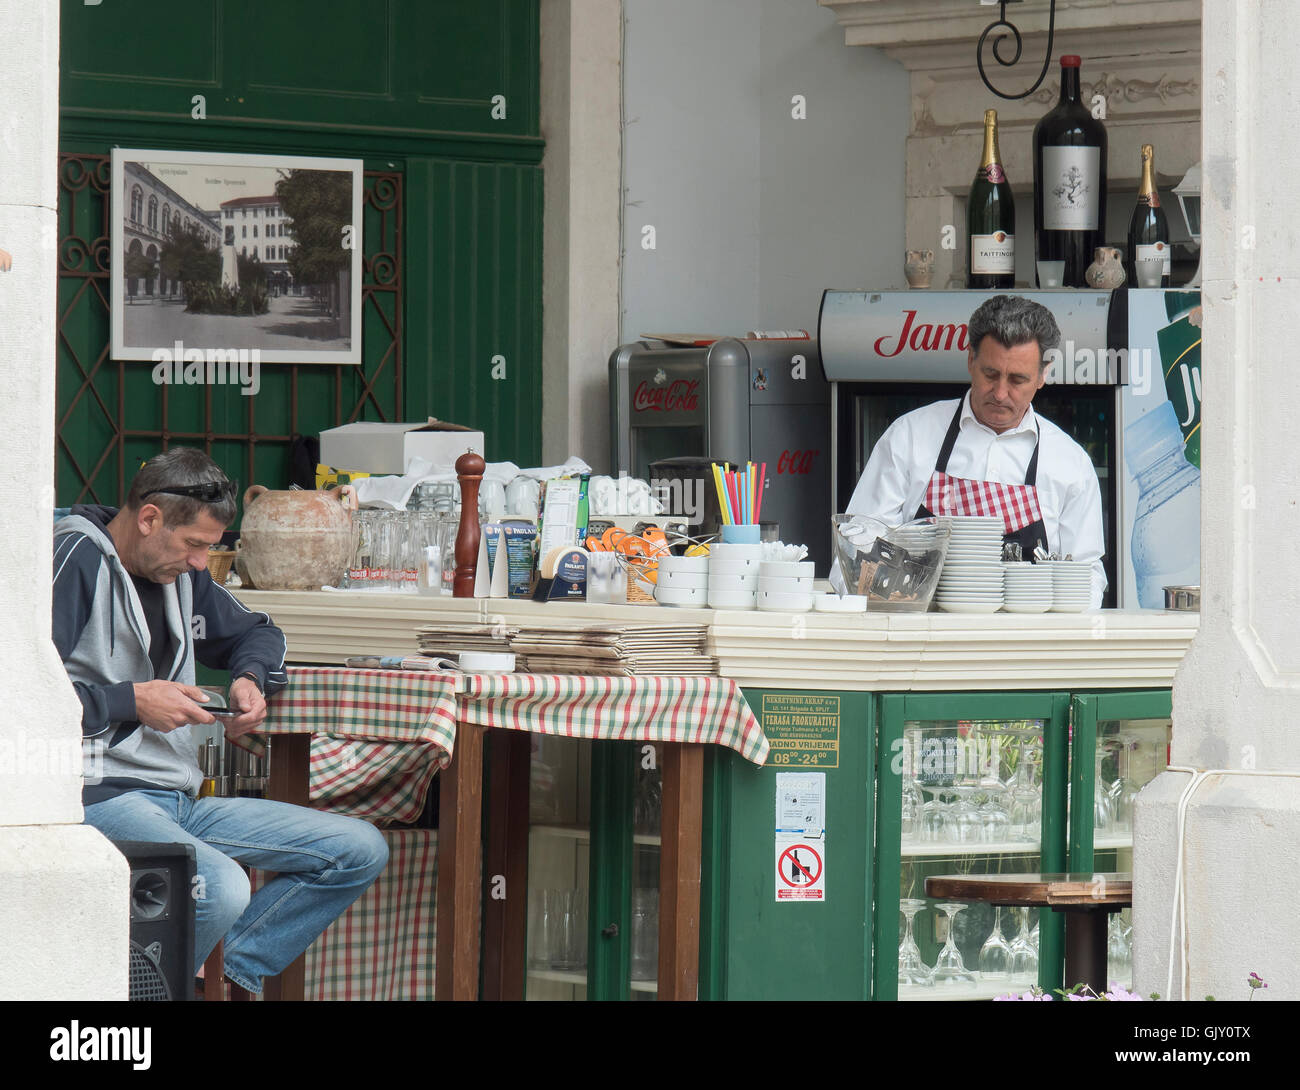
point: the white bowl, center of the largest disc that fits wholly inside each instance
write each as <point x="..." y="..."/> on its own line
<point x="682" y="580"/>
<point x="788" y="603"/>
<point x="784" y="569"/>
<point x="733" y="582"/>
<point x="836" y="603"/>
<point x="782" y="585"/>
<point x="733" y="567"/>
<point x="724" y="551"/>
<point x="681" y="597"/>
<point x="731" y="599"/>
<point x="696" y="564"/>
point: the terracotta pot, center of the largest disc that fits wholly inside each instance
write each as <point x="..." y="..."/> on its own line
<point x="1107" y="270"/>
<point x="297" y="540"/>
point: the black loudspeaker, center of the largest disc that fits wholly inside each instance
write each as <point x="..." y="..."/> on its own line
<point x="162" y="920"/>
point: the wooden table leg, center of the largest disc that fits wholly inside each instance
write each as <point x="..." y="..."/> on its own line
<point x="289" y="781"/>
<point x="459" y="831"/>
<point x="1086" y="948"/>
<point x="679" y="870"/>
<point x="505" y="864"/>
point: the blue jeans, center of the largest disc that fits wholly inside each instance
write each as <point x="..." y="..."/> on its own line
<point x="323" y="862"/>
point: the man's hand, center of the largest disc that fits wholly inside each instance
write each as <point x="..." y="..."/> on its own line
<point x="167" y="705"/>
<point x="251" y="705"/>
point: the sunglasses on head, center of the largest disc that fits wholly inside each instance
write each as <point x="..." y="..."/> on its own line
<point x="211" y="492"/>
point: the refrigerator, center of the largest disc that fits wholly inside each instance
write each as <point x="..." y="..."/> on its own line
<point x="1125" y="355"/>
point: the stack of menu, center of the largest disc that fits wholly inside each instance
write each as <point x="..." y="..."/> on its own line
<point x="449" y="640"/>
<point x="622" y="650"/>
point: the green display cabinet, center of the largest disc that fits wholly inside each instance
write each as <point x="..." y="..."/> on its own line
<point x="968" y="783"/>
<point x="1119" y="743"/>
<point x="785" y="906"/>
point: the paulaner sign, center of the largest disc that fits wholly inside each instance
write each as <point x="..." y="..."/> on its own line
<point x="922" y="336"/>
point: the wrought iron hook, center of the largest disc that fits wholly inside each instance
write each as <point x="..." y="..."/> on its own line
<point x="1001" y="21"/>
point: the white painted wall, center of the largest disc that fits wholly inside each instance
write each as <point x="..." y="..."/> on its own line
<point x="755" y="212"/>
<point x="63" y="888"/>
<point x="1237" y="692"/>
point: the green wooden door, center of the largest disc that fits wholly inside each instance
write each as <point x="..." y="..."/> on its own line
<point x="438" y="98"/>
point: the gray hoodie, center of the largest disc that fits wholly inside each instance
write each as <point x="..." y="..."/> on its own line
<point x="102" y="636"/>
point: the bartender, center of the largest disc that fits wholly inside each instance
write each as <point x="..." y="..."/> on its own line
<point x="989" y="453"/>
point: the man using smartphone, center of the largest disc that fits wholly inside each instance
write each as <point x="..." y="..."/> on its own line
<point x="134" y="609"/>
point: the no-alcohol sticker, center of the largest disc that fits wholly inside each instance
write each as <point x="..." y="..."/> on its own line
<point x="800" y="869"/>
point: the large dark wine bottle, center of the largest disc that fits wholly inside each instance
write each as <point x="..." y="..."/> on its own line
<point x="1069" y="181"/>
<point x="1148" y="230"/>
<point x="991" y="218"/>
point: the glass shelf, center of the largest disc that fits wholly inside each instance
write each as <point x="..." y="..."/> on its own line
<point x="981" y="989"/>
<point x="582" y="832"/>
<point x="576" y="977"/>
<point x="940" y="850"/>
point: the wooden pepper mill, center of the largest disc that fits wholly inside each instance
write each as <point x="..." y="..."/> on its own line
<point x="469" y="471"/>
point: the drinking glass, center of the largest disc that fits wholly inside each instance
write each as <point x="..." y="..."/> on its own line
<point x="934" y="815"/>
<point x="1119" y="952"/>
<point x="995" y="954"/>
<point x="1123" y="792"/>
<point x="570" y="950"/>
<point x="964" y="825"/>
<point x="645" y="934"/>
<point x="1024" y="955"/>
<point x="949" y="968"/>
<point x="911" y="969"/>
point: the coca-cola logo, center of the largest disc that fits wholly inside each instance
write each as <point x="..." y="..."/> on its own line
<point x="679" y="396"/>
<point x="924" y="337"/>
<point x="796" y="461"/>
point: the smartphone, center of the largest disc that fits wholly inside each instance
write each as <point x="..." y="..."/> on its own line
<point x="217" y="704"/>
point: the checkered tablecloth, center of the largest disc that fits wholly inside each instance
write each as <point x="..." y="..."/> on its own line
<point x="378" y="736"/>
<point x="653" y="709"/>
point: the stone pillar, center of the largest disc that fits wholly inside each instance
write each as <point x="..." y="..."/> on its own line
<point x="581" y="99"/>
<point x="1237" y="694"/>
<point x="63" y="887"/>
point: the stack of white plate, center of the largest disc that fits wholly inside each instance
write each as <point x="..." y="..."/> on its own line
<point x="1028" y="588"/>
<point x="1071" y="586"/>
<point x="733" y="575"/>
<point x="682" y="581"/>
<point x="971" y="580"/>
<point x="785" y="586"/>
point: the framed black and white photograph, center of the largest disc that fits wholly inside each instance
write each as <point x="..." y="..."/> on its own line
<point x="227" y="253"/>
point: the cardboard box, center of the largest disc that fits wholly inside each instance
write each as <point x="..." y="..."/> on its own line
<point x="388" y="448"/>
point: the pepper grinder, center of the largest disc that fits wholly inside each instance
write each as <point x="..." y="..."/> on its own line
<point x="469" y="471"/>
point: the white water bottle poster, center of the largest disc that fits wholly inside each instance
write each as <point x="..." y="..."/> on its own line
<point x="1159" y="538"/>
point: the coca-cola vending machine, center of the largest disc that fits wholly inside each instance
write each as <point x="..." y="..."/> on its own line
<point x="733" y="400"/>
<point x="886" y="353"/>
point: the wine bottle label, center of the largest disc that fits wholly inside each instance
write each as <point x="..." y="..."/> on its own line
<point x="994" y="173"/>
<point x="1154" y="249"/>
<point x="1150" y="200"/>
<point x="1071" y="188"/>
<point x="992" y="255"/>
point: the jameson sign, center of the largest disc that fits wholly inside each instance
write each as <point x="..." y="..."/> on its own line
<point x="922" y="336"/>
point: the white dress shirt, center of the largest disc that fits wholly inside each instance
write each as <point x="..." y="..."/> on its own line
<point x="894" y="482"/>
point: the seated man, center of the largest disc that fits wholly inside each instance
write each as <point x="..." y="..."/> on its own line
<point x="134" y="608"/>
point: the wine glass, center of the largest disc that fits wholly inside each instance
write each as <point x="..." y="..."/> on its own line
<point x="1119" y="953"/>
<point x="934" y="814"/>
<point x="949" y="968"/>
<point x="1024" y="956"/>
<point x="995" y="954"/>
<point x="1026" y="795"/>
<point x="911" y="969"/>
<point x="965" y="826"/>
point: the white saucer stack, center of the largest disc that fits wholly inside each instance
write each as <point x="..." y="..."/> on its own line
<point x="1071" y="586"/>
<point x="1027" y="588"/>
<point x="971" y="580"/>
<point x="682" y="581"/>
<point x="785" y="586"/>
<point x="733" y="575"/>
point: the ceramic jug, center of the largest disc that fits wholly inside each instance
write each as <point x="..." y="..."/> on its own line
<point x="296" y="540"/>
<point x="1107" y="270"/>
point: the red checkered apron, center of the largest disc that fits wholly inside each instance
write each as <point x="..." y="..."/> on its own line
<point x="1016" y="504"/>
